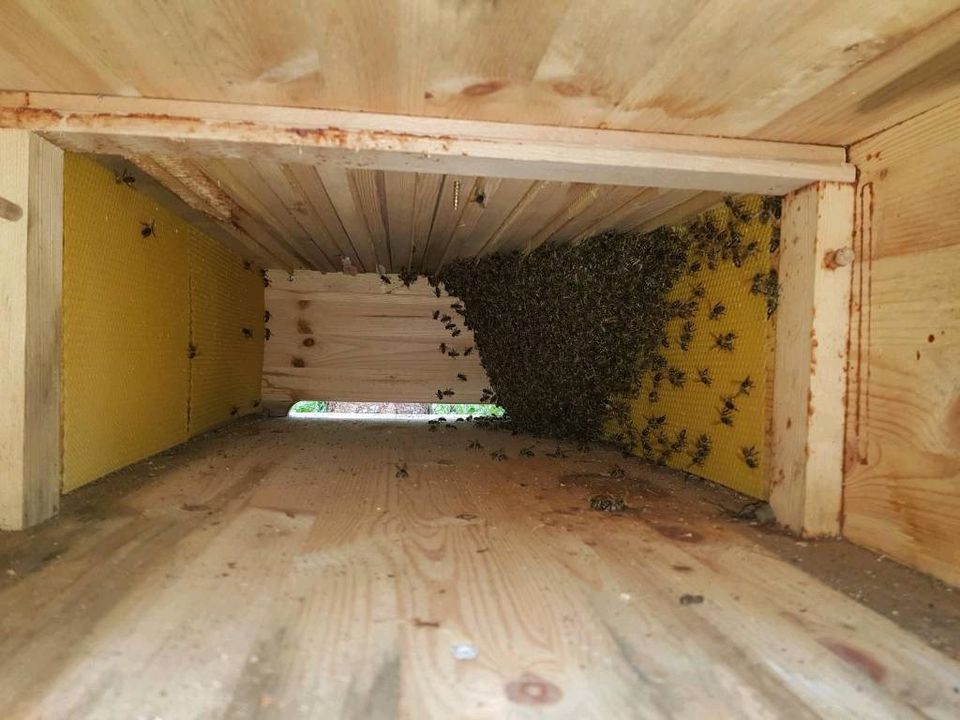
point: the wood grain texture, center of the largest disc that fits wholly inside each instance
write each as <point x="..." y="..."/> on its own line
<point x="31" y="276"/>
<point x="282" y="569"/>
<point x="811" y="360"/>
<point x="902" y="483"/>
<point x="336" y="337"/>
<point x="819" y="71"/>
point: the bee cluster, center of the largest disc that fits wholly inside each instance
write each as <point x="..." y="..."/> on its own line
<point x="565" y="331"/>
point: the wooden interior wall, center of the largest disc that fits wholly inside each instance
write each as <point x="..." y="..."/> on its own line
<point x="135" y="308"/>
<point x="341" y="337"/>
<point x="692" y="404"/>
<point x="902" y="465"/>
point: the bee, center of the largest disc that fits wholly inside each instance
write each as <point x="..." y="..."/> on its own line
<point x="401" y="470"/>
<point x="680" y="442"/>
<point x="694" y="267"/>
<point x="468" y="351"/>
<point x="698" y="290"/>
<point x="439" y="394"/>
<point x="148" y="229"/>
<point x="656" y="421"/>
<point x="191" y="351"/>
<point x="475" y="445"/>
<point x="750" y="456"/>
<point x="701" y="450"/>
<point x="677" y="377"/>
<point x="726" y="416"/>
<point x="461" y="377"/>
<point x="717" y="311"/>
<point x="124" y="178"/>
<point x="234" y="410"/>
<point x="738" y="210"/>
<point x="266" y="278"/>
<point x="455" y="332"/>
<point x="746" y="385"/>
<point x="616" y="472"/>
<point x="247" y="265"/>
<point x="770" y="208"/>
<point x="266" y="316"/>
<point x="527" y="451"/>
<point x="445" y="319"/>
<point x="448" y="392"/>
<point x="384" y="279"/>
<point x="407" y="276"/>
<point x="703" y="375"/>
<point x="724" y="341"/>
<point x="436" y="291"/>
<point x="450" y="326"/>
<point x="453" y="353"/>
<point x="267" y="334"/>
<point x="443" y="348"/>
<point x="246" y="332"/>
<point x="498" y="454"/>
<point x="653" y="396"/>
<point x="436" y="314"/>
<point x="686" y="335"/>
<point x="457" y="307"/>
<point x="255" y="403"/>
<point x="607" y="503"/>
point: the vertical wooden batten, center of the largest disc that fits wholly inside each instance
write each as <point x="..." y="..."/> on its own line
<point x="31" y="252"/>
<point x="806" y="472"/>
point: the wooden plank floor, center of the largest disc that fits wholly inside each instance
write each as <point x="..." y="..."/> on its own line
<point x="280" y="569"/>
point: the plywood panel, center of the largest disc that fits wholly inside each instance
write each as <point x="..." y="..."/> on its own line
<point x="902" y="481"/>
<point x="337" y="337"/>
<point x="815" y="70"/>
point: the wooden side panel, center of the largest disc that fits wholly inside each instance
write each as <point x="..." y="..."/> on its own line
<point x="336" y="337"/>
<point x="31" y="248"/>
<point x="902" y="482"/>
<point x="810" y="374"/>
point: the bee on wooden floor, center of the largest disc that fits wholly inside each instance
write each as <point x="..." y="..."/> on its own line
<point x="255" y="403"/>
<point x="468" y="351"/>
<point x="384" y="279"/>
<point x="724" y="341"/>
<point x="443" y="348"/>
<point x="401" y="470"/>
<point x="439" y="394"/>
<point x="527" y="452"/>
<point x="234" y="410"/>
<point x="436" y="314"/>
<point x="436" y="291"/>
<point x="458" y="307"/>
<point x="267" y="334"/>
<point x="448" y="392"/>
<point x="246" y="332"/>
<point x="450" y="326"/>
<point x="746" y="385"/>
<point x="266" y="278"/>
<point x="191" y="351"/>
<point x="717" y="311"/>
<point x="148" y="229"/>
<point x="461" y="377"/>
<point x="498" y="454"/>
<point x="558" y="453"/>
<point x="616" y="472"/>
<point x="750" y="456"/>
<point x="408" y="276"/>
<point x="703" y="375"/>
<point x="445" y="319"/>
<point x="125" y="178"/>
<point x="453" y="353"/>
<point x="475" y="445"/>
<point x="266" y="316"/>
<point x="607" y="503"/>
<point x="455" y="333"/>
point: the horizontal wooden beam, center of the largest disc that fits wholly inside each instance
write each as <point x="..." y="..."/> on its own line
<point x="143" y="126"/>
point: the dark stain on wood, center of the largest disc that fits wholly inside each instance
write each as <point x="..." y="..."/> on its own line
<point x="530" y="689"/>
<point x="858" y="658"/>
<point x="484" y="88"/>
<point x="309" y="342"/>
<point x="303" y="327"/>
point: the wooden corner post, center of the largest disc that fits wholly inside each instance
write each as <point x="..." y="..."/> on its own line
<point x="31" y="263"/>
<point x="806" y="470"/>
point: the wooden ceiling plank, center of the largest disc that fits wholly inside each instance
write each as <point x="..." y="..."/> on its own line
<point x="366" y="187"/>
<point x="582" y="201"/>
<point x="244" y="184"/>
<point x="400" y="192"/>
<point x="284" y="186"/>
<point x="338" y="187"/>
<point x="499" y="202"/>
<point x="397" y="143"/>
<point x="611" y="199"/>
<point x="318" y="205"/>
<point x="681" y="212"/>
<point x="452" y="202"/>
<point x="426" y="202"/>
<point x="493" y="243"/>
